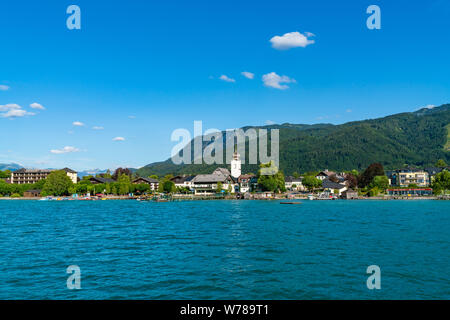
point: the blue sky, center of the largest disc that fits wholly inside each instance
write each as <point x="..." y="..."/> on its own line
<point x="141" y="69"/>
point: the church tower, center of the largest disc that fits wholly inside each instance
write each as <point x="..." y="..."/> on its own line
<point x="236" y="165"/>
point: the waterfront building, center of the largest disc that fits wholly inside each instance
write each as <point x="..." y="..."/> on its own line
<point x="100" y="180"/>
<point x="293" y="184"/>
<point x="30" y="176"/>
<point x="32" y="194"/>
<point x="245" y="183"/>
<point x="349" y="194"/>
<point x="153" y="183"/>
<point x="206" y="184"/>
<point x="333" y="187"/>
<point x="410" y="175"/>
<point x="183" y="181"/>
<point x="323" y="175"/>
<point x="410" y="192"/>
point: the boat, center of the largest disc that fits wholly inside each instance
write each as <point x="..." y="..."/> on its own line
<point x="311" y="197"/>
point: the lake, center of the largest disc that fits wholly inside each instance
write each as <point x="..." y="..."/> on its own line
<point x="225" y="249"/>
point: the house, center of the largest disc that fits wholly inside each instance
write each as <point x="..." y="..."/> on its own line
<point x="245" y="183"/>
<point x="323" y="175"/>
<point x="206" y="184"/>
<point x="153" y="183"/>
<point x="410" y="192"/>
<point x="349" y="194"/>
<point x="100" y="180"/>
<point x="333" y="187"/>
<point x="183" y="181"/>
<point x="30" y="176"/>
<point x="293" y="184"/>
<point x="32" y="194"/>
<point x="410" y="175"/>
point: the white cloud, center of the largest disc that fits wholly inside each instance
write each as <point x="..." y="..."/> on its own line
<point x="291" y="40"/>
<point x="273" y="80"/>
<point x="9" y="106"/>
<point x="36" y="105"/>
<point x="225" y="78"/>
<point x="97" y="128"/>
<point x="4" y="87"/>
<point x="248" y="75"/>
<point x="16" y="113"/>
<point x="269" y="122"/>
<point x="430" y="106"/>
<point x="13" y="110"/>
<point x="132" y="117"/>
<point x="66" y="149"/>
<point x="78" y="124"/>
<point x="119" y="139"/>
<point x="348" y="110"/>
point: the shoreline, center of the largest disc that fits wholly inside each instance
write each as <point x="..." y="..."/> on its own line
<point x="230" y="199"/>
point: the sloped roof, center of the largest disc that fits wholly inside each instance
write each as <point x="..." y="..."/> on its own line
<point x="332" y="185"/>
<point x="223" y="171"/>
<point x="148" y="180"/>
<point x="103" y="180"/>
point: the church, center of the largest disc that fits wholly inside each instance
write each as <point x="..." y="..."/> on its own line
<point x="232" y="182"/>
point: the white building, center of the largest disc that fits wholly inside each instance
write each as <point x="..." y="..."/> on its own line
<point x="236" y="165"/>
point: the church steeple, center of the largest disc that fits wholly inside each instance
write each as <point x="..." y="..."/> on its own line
<point x="236" y="164"/>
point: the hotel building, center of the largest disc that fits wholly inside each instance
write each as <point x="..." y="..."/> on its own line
<point x="30" y="176"/>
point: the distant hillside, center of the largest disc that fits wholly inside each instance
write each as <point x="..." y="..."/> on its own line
<point x="10" y="166"/>
<point x="416" y="138"/>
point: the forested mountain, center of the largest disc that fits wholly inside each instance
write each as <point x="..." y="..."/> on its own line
<point x="415" y="138"/>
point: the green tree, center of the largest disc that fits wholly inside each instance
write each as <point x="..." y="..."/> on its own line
<point x="271" y="182"/>
<point x="5" y="174"/>
<point x="380" y="182"/>
<point x="124" y="182"/>
<point x="168" y="186"/>
<point x="440" y="163"/>
<point x="311" y="182"/>
<point x="57" y="184"/>
<point x="219" y="187"/>
<point x="366" y="178"/>
<point x="441" y="182"/>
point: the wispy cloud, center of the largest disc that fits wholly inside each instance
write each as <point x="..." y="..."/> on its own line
<point x="67" y="149"/>
<point x="13" y="110"/>
<point x="119" y="139"/>
<point x="226" y="78"/>
<point x="97" y="128"/>
<point x="78" y="124"/>
<point x="348" y="110"/>
<point x="273" y="80"/>
<point x="291" y="40"/>
<point x="4" y="87"/>
<point x="132" y="117"/>
<point x="248" y="75"/>
<point x="36" y="105"/>
<point x="269" y="122"/>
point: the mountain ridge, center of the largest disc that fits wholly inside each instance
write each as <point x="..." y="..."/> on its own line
<point x="410" y="138"/>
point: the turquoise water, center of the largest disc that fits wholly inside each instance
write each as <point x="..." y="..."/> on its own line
<point x="225" y="249"/>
